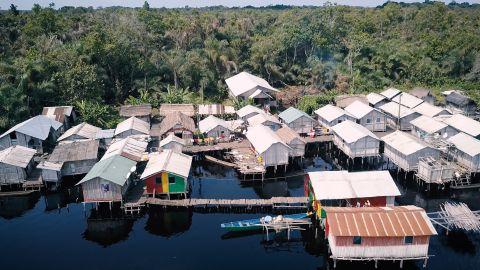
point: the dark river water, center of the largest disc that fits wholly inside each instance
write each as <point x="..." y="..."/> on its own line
<point x="54" y="232"/>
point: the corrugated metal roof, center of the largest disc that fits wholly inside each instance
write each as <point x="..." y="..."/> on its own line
<point x="116" y="169"/>
<point x="466" y="144"/>
<point x="392" y="108"/>
<point x="291" y="114"/>
<point x="330" y="112"/>
<point x="287" y="135"/>
<point x="458" y="98"/>
<point x="129" y="147"/>
<point x="262" y="118"/>
<point x="428" y="124"/>
<point x="187" y="109"/>
<point x="351" y="132"/>
<point x="407" y="100"/>
<point x="75" y="151"/>
<point x="135" y="110"/>
<point x="358" y="109"/>
<point x="462" y="123"/>
<point x="17" y="156"/>
<point x="58" y="113"/>
<point x="248" y="109"/>
<point x="38" y="127"/>
<point x="170" y="161"/>
<point x="404" y="142"/>
<point x="172" y="138"/>
<point x="244" y="81"/>
<point x="262" y="138"/>
<point x="84" y="130"/>
<point x="337" y="185"/>
<point x="47" y="165"/>
<point x="210" y="123"/>
<point x="374" y="98"/>
<point x="133" y="123"/>
<point x="390" y="92"/>
<point x="430" y="110"/>
<point x="398" y="221"/>
<point x="234" y="124"/>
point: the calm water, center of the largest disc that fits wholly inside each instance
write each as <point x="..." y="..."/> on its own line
<point x="36" y="233"/>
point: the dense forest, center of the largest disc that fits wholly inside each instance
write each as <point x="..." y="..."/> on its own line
<point x="97" y="59"/>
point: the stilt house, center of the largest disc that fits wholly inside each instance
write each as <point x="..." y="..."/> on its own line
<point x="462" y="123"/>
<point x="173" y="143"/>
<point x="329" y="116"/>
<point x="466" y="152"/>
<point x="16" y="162"/>
<point x="298" y="120"/>
<point x="132" y="127"/>
<point x="366" y="116"/>
<point x="265" y="119"/>
<point x="270" y="149"/>
<point x="179" y="124"/>
<point x="293" y="140"/>
<point x="425" y="127"/>
<point x="355" y="140"/>
<point x="398" y="115"/>
<point x="214" y="127"/>
<point x="376" y="100"/>
<point x="248" y="111"/>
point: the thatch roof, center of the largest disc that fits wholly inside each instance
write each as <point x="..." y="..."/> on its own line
<point x="135" y="110"/>
<point x="75" y="151"/>
<point x="187" y="109"/>
<point x="173" y="119"/>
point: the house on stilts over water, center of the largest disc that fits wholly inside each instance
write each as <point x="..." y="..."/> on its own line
<point x="16" y="163"/>
<point x="343" y="188"/>
<point x="355" y="140"/>
<point x="108" y="180"/>
<point x="366" y="116"/>
<point x="398" y="116"/>
<point x="329" y="115"/>
<point x="293" y="140"/>
<point x="395" y="233"/>
<point x="167" y="173"/>
<point x="172" y="142"/>
<point x="132" y="127"/>
<point x="298" y="120"/>
<point x="69" y="159"/>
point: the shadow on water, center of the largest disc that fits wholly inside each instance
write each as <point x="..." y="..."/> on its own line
<point x="16" y="206"/>
<point x="168" y="223"/>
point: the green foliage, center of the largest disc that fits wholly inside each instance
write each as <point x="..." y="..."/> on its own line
<point x="97" y="114"/>
<point x="310" y="103"/>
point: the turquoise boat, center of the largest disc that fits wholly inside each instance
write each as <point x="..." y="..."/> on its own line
<point x="255" y="224"/>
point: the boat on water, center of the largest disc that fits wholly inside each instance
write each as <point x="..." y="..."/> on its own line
<point x="259" y="223"/>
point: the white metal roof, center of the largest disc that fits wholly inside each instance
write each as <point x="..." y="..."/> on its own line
<point x="407" y="100"/>
<point x="262" y="137"/>
<point x="358" y="109"/>
<point x="428" y="124"/>
<point x="430" y="110"/>
<point x="392" y="108"/>
<point x="129" y="147"/>
<point x="170" y="161"/>
<point x="404" y="142"/>
<point x="390" y="92"/>
<point x="462" y="123"/>
<point x="84" y="130"/>
<point x="351" y="132"/>
<point x="374" y="98"/>
<point x="262" y="118"/>
<point x="245" y="81"/>
<point x="248" y="109"/>
<point x="234" y="124"/>
<point x="330" y="112"/>
<point x="38" y="127"/>
<point x="171" y="138"/>
<point x="337" y="185"/>
<point x="210" y="123"/>
<point x="133" y="123"/>
<point x="17" y="155"/>
<point x="466" y="144"/>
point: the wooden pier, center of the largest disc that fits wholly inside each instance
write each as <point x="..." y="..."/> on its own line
<point x="223" y="146"/>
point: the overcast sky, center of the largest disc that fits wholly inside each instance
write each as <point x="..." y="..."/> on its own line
<point x="26" y="4"/>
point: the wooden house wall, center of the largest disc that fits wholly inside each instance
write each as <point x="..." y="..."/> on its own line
<point x="51" y="175"/>
<point x="410" y="162"/>
<point x="276" y="154"/>
<point x="175" y="146"/>
<point x="93" y="191"/>
<point x="159" y="184"/>
<point x="22" y="140"/>
<point x="431" y="174"/>
<point x="78" y="167"/>
<point x="374" y="121"/>
<point x="298" y="148"/>
<point x="364" y="147"/>
<point x="219" y="132"/>
<point x="10" y="174"/>
<point x="420" y="133"/>
<point x="404" y="121"/>
<point x="303" y="125"/>
<point x="379" y="247"/>
<point x="471" y="163"/>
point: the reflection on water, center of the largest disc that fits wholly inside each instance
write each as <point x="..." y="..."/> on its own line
<point x="16" y="206"/>
<point x="168" y="223"/>
<point x="30" y="225"/>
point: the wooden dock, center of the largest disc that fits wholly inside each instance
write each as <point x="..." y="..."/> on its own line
<point x="221" y="162"/>
<point x="223" y="146"/>
<point x="321" y="138"/>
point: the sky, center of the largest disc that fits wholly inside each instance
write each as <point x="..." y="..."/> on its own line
<point x="27" y="4"/>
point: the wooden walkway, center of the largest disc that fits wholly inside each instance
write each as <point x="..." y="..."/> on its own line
<point x="221" y="162"/>
<point x="275" y="202"/>
<point x="193" y="149"/>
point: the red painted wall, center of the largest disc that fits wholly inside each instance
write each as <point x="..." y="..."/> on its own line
<point x="375" y="201"/>
<point x="151" y="186"/>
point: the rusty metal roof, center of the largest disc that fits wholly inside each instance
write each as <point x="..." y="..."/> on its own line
<point x="397" y="221"/>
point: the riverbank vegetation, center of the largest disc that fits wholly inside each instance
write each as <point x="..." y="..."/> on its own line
<point x="97" y="59"/>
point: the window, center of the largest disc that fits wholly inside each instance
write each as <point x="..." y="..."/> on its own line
<point x="378" y="119"/>
<point x="171" y="179"/>
<point x="13" y="135"/>
<point x="369" y="120"/>
<point x="357" y="240"/>
<point x="158" y="180"/>
<point x="105" y="187"/>
<point x="339" y="121"/>
<point x="408" y="240"/>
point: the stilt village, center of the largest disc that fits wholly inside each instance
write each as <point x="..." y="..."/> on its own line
<point x="146" y="161"/>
